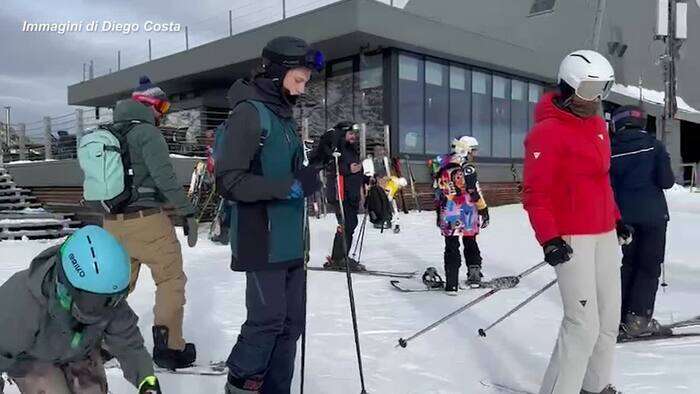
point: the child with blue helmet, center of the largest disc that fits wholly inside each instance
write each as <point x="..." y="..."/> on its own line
<point x="55" y="315"/>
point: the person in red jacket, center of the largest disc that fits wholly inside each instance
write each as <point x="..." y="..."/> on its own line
<point x="570" y="203"/>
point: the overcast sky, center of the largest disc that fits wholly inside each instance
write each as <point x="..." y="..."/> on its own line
<point x="36" y="68"/>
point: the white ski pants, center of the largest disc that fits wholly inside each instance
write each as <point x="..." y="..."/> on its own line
<point x="590" y="290"/>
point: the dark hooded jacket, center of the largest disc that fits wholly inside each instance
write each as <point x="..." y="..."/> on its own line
<point x="322" y="156"/>
<point x="640" y="169"/>
<point x="35" y="327"/>
<point x="154" y="175"/>
<point x="255" y="171"/>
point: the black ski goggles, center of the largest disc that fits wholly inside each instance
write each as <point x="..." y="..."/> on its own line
<point x="313" y="60"/>
<point x="87" y="307"/>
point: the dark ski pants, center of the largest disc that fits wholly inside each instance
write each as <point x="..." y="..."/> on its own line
<point x="453" y="260"/>
<point x="352" y="208"/>
<point x="641" y="268"/>
<point x="267" y="344"/>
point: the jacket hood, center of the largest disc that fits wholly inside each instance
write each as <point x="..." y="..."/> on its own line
<point x="128" y="109"/>
<point x="40" y="275"/>
<point x="263" y="90"/>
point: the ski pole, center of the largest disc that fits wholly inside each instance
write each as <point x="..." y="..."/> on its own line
<point x="404" y="342"/>
<point x="482" y="331"/>
<point x="306" y="235"/>
<point x="351" y="295"/>
<point x="360" y="238"/>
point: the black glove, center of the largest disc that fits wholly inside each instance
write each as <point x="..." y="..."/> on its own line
<point x="484" y="213"/>
<point x="557" y="251"/>
<point x="624" y="233"/>
<point x="150" y="385"/>
<point x="190" y="227"/>
<point x="308" y="177"/>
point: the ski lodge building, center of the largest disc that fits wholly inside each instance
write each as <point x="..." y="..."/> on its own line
<point x="428" y="72"/>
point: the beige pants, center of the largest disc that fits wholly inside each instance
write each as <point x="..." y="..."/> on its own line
<point x="590" y="290"/>
<point x="79" y="377"/>
<point x="151" y="240"/>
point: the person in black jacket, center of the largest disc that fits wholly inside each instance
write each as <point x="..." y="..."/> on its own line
<point x="259" y="169"/>
<point x="640" y="170"/>
<point x="343" y="137"/>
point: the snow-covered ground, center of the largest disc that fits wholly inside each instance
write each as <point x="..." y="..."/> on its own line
<point x="450" y="359"/>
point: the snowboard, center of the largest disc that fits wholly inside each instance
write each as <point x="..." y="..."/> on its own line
<point x="414" y="288"/>
<point x="393" y="274"/>
<point x="212" y="369"/>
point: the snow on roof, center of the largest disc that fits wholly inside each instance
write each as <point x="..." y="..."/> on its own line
<point x="651" y="96"/>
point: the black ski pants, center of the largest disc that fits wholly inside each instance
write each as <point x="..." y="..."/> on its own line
<point x="453" y="260"/>
<point x="267" y="343"/>
<point x="352" y="208"/>
<point x="641" y="268"/>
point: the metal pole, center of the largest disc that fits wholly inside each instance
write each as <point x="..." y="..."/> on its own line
<point x="119" y="60"/>
<point x="47" y="138"/>
<point x="21" y="131"/>
<point x="149" y="50"/>
<point x="83" y="71"/>
<point x="187" y="39"/>
<point x="7" y="123"/>
<point x="363" y="141"/>
<point x="387" y="140"/>
<point x="284" y="10"/>
<point x="91" y="71"/>
<point x="230" y="23"/>
<point x="598" y="24"/>
<point x="79" y="125"/>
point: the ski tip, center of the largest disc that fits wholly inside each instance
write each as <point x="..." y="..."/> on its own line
<point x="482" y="333"/>
<point x="403" y="343"/>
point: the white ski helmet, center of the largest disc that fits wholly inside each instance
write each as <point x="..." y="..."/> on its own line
<point x="464" y="145"/>
<point x="586" y="73"/>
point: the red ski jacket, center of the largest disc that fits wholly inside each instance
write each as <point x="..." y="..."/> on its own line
<point x="566" y="177"/>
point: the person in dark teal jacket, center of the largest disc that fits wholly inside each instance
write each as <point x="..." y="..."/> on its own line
<point x="259" y="169"/>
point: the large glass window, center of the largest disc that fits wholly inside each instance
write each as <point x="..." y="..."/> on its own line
<point x="411" y="103"/>
<point x="369" y="98"/>
<point x="339" y="93"/>
<point x="501" y="116"/>
<point x="534" y="93"/>
<point x="518" y="118"/>
<point x="460" y="102"/>
<point x="481" y="111"/>
<point x="436" y="108"/>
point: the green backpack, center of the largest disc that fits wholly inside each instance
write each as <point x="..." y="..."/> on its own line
<point x="103" y="156"/>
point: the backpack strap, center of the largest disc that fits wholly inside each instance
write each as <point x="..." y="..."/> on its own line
<point x="265" y="121"/>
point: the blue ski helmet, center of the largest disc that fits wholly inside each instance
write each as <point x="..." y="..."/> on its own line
<point x="94" y="274"/>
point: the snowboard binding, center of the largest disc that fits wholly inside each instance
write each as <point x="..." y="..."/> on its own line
<point x="432" y="279"/>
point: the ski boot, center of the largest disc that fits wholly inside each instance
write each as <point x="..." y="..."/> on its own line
<point x="452" y="290"/>
<point x="474" y="276"/>
<point x="609" y="389"/>
<point x="235" y="385"/>
<point x="641" y="326"/>
<point x="170" y="358"/>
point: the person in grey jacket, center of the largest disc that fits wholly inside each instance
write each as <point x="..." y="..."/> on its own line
<point x="55" y="315"/>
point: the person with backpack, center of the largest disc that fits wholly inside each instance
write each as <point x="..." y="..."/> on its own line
<point x="570" y="203"/>
<point x="55" y="315"/>
<point x="132" y="157"/>
<point x="461" y="211"/>
<point x="259" y="168"/>
<point x="343" y="138"/>
<point x="640" y="170"/>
